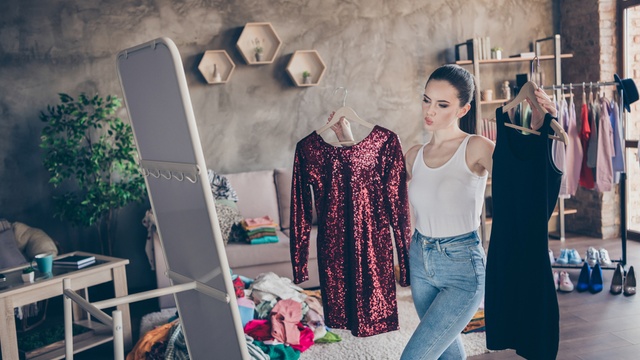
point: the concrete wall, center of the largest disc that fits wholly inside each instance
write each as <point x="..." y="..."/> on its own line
<point x="382" y="51"/>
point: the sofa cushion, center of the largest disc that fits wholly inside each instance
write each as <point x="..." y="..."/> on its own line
<point x="33" y="241"/>
<point x="283" y="185"/>
<point x="257" y="195"/>
<point x="242" y="255"/>
<point x="10" y="255"/>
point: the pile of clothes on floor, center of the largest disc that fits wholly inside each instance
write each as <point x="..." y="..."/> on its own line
<point x="280" y="321"/>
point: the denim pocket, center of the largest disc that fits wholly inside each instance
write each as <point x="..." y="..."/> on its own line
<point x="459" y="253"/>
<point x="479" y="266"/>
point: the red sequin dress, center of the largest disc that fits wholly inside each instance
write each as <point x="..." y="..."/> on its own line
<point x="360" y="193"/>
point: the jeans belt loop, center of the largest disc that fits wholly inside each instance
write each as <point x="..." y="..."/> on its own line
<point x="438" y="246"/>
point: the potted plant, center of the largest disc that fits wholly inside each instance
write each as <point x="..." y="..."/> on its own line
<point x="28" y="274"/>
<point x="306" y="77"/>
<point x="258" y="48"/>
<point x="496" y="53"/>
<point x="91" y="158"/>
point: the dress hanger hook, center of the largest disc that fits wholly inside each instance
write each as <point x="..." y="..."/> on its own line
<point x="344" y="99"/>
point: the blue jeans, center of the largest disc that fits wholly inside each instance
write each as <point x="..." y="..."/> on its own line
<point x="447" y="286"/>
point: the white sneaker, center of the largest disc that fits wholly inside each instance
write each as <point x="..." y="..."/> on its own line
<point x="592" y="256"/>
<point x="604" y="257"/>
<point x="565" y="283"/>
<point x="551" y="258"/>
<point x="556" y="279"/>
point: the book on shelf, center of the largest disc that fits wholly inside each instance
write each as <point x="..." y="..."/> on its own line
<point x="75" y="261"/>
<point x="526" y="55"/>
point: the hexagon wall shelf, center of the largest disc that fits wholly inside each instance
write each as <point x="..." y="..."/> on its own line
<point x="306" y="60"/>
<point x="259" y="34"/>
<point x="223" y="62"/>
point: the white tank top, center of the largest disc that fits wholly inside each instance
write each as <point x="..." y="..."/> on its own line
<point x="447" y="201"/>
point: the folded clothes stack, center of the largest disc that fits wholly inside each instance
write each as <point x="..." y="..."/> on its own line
<point x="260" y="230"/>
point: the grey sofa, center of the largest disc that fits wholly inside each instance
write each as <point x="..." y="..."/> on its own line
<point x="260" y="193"/>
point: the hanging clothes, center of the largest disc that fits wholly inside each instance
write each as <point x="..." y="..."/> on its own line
<point x="560" y="149"/>
<point x="586" y="175"/>
<point x="592" y="154"/>
<point x="360" y="192"/>
<point x="574" y="150"/>
<point x="604" y="158"/>
<point x="618" y="141"/>
<point x="521" y="307"/>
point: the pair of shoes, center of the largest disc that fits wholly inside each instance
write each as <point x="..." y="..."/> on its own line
<point x="630" y="283"/>
<point x="617" y="280"/>
<point x="604" y="257"/>
<point x="590" y="279"/>
<point x="569" y="256"/>
<point x="594" y="257"/>
<point x="564" y="283"/>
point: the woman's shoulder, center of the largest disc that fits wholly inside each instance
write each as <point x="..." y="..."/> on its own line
<point x="413" y="152"/>
<point x="410" y="158"/>
<point x="479" y="143"/>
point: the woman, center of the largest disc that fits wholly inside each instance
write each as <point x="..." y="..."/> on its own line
<point x="447" y="182"/>
<point x="448" y="178"/>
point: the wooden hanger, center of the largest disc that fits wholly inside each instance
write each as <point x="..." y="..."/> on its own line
<point x="528" y="92"/>
<point x="349" y="114"/>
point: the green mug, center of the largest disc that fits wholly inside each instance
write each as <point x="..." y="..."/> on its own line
<point x="44" y="262"/>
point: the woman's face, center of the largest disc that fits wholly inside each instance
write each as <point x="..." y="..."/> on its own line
<point x="441" y="106"/>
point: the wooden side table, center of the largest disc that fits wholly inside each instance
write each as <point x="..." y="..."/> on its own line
<point x="14" y="293"/>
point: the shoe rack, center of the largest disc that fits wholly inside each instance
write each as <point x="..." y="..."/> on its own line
<point x="623" y="232"/>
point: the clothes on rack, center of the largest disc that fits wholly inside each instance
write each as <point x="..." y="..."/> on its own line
<point x="618" y="141"/>
<point x="586" y="175"/>
<point x="360" y="193"/>
<point x="559" y="148"/>
<point x="599" y="118"/>
<point x="594" y="157"/>
<point x="604" y="157"/>
<point x="525" y="189"/>
<point x="574" y="152"/>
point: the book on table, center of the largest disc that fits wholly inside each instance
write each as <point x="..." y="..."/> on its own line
<point x="75" y="261"/>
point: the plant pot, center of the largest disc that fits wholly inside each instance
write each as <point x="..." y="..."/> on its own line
<point x="258" y="56"/>
<point x="28" y="277"/>
<point x="306" y="80"/>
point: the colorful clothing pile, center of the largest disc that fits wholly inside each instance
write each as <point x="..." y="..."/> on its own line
<point x="260" y="230"/>
<point x="476" y="324"/>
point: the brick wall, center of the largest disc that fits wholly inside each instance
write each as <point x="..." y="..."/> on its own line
<point x="588" y="29"/>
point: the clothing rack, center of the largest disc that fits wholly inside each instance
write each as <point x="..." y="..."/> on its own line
<point x="579" y="85"/>
<point x="623" y="174"/>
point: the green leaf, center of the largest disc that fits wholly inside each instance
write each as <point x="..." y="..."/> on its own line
<point x="83" y="145"/>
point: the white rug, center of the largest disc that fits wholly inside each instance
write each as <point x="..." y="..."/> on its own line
<point x="386" y="346"/>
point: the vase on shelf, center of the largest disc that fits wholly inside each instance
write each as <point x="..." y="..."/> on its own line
<point x="258" y="56"/>
<point x="216" y="74"/>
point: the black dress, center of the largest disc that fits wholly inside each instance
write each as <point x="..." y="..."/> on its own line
<point x="521" y="307"/>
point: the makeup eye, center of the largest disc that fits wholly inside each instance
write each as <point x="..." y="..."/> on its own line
<point x="444" y="106"/>
<point x="425" y="100"/>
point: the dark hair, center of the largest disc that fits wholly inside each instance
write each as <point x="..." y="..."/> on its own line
<point x="459" y="78"/>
